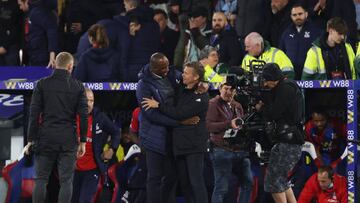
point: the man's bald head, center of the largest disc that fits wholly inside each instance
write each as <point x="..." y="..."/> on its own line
<point x="159" y="64"/>
<point x="254" y="44"/>
<point x="219" y="22"/>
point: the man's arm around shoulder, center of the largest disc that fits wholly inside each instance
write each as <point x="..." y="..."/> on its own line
<point x="153" y="115"/>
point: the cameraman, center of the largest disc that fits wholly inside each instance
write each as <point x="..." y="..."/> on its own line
<point x="222" y="116"/>
<point x="286" y="110"/>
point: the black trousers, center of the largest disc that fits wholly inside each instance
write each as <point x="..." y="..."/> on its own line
<point x="44" y="163"/>
<point x="190" y="172"/>
<point x="161" y="178"/>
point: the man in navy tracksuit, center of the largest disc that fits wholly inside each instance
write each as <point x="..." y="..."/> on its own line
<point x="93" y="163"/>
<point x="297" y="39"/>
<point x="42" y="37"/>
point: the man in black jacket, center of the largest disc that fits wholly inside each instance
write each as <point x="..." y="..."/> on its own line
<point x="225" y="39"/>
<point x="286" y="110"/>
<point x="52" y="127"/>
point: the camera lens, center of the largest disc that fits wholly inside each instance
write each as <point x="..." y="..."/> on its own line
<point x="239" y="122"/>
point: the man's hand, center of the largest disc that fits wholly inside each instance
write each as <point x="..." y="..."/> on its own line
<point x="202" y="88"/>
<point x="194" y="23"/>
<point x="76" y="28"/>
<point x="233" y="123"/>
<point x="191" y="121"/>
<point x="149" y="103"/>
<point x="27" y="148"/>
<point x="259" y="105"/>
<point x="81" y="150"/>
<point x="51" y="60"/>
<point x="2" y="51"/>
<point x="107" y="154"/>
<point x="321" y="4"/>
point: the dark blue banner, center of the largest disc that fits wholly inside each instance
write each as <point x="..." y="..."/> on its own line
<point x="10" y="105"/>
<point x="24" y="73"/>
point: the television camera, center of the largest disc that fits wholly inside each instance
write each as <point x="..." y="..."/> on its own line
<point x="249" y="90"/>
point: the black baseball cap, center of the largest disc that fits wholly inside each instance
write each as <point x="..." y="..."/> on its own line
<point x="272" y="72"/>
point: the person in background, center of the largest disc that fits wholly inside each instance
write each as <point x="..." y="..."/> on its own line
<point x="42" y="39"/>
<point x="99" y="63"/>
<point x="280" y="19"/>
<point x="330" y="57"/>
<point x="224" y="38"/>
<point x="10" y="32"/>
<point x="298" y="37"/>
<point x="357" y="59"/>
<point x="258" y="49"/>
<point x="141" y="46"/>
<point x="92" y="165"/>
<point x="209" y="58"/>
<point x="328" y="135"/>
<point x="325" y="186"/>
<point x="253" y="16"/>
<point x="56" y="101"/>
<point x="168" y="37"/>
<point x="194" y="36"/>
<point x="228" y="7"/>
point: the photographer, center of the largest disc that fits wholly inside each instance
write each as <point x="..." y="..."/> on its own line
<point x="286" y="110"/>
<point x="222" y="117"/>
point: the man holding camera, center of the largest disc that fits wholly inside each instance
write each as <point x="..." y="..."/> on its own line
<point x="222" y="119"/>
<point x="286" y="109"/>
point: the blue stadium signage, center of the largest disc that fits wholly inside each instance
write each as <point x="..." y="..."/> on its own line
<point x="324" y="84"/>
<point x="11" y="85"/>
<point x="115" y="86"/>
<point x="112" y="86"/>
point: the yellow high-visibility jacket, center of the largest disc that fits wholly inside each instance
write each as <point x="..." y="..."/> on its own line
<point x="357" y="62"/>
<point x="272" y="55"/>
<point x="211" y="75"/>
<point x="314" y="66"/>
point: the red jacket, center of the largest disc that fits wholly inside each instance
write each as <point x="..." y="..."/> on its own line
<point x="312" y="190"/>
